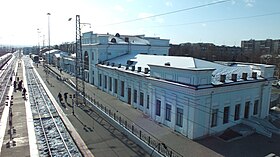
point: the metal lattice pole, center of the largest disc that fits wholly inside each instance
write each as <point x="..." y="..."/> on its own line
<point x="79" y="66"/>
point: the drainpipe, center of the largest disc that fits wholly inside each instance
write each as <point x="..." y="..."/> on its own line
<point x="210" y="113"/>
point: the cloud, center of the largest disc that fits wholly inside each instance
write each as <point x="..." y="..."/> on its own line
<point x="148" y="17"/>
<point x="168" y="4"/>
<point x="144" y="15"/>
<point x="249" y="3"/>
<point x="118" y="8"/>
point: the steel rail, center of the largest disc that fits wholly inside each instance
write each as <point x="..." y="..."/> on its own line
<point x="7" y="73"/>
<point x="41" y="123"/>
<point x="50" y="113"/>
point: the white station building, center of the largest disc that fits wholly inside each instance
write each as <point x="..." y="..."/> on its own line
<point x="194" y="97"/>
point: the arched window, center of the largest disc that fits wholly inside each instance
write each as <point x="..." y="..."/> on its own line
<point x="113" y="40"/>
<point x="117" y="35"/>
<point x="86" y="61"/>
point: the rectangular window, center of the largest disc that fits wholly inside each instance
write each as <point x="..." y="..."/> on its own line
<point x="247" y="109"/>
<point x="100" y="80"/>
<point x="148" y="101"/>
<point x="110" y="83"/>
<point x="141" y="98"/>
<point x="256" y="107"/>
<point x="226" y="115"/>
<point x="168" y="112"/>
<point x="116" y="86"/>
<point x="214" y="117"/>
<point x="237" y="112"/>
<point x="158" y="106"/>
<point x="122" y="88"/>
<point x="179" y="117"/>
<point x="105" y="81"/>
<point x="135" y="96"/>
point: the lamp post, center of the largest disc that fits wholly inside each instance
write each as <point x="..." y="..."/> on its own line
<point x="49" y="39"/>
<point x="49" y="36"/>
<point x="38" y="31"/>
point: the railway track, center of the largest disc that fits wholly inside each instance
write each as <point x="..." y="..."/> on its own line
<point x="52" y="136"/>
<point x="6" y="73"/>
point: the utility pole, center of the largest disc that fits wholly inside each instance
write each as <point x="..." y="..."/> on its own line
<point x="79" y="66"/>
<point x="49" y="38"/>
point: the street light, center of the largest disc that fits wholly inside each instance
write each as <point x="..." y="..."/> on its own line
<point x="46" y="68"/>
<point x="38" y="31"/>
<point x="49" y="36"/>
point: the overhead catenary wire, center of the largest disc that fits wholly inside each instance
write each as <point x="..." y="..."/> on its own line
<point x="171" y="12"/>
<point x="219" y="20"/>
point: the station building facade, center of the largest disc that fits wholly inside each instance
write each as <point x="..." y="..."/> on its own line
<point x="194" y="97"/>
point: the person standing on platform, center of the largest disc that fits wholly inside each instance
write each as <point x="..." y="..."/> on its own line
<point x="24" y="93"/>
<point x="65" y="97"/>
<point x="59" y="97"/>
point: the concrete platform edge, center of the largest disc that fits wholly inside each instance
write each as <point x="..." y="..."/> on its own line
<point x="72" y="131"/>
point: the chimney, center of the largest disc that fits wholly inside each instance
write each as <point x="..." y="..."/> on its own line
<point x="222" y="78"/>
<point x="146" y="70"/>
<point x="107" y="63"/>
<point x="234" y="77"/>
<point x="244" y="76"/>
<point x="133" y="68"/>
<point x="113" y="64"/>
<point x="167" y="64"/>
<point x="139" y="69"/>
<point x="126" y="39"/>
<point x="119" y="66"/>
<point x="126" y="67"/>
<point x="254" y="75"/>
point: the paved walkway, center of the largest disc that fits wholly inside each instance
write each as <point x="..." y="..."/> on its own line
<point x="17" y="143"/>
<point x="176" y="141"/>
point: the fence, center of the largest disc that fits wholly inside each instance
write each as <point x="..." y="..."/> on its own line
<point x="133" y="128"/>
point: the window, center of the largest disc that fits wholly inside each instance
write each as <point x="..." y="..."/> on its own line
<point x="141" y="99"/>
<point x="237" y="112"/>
<point x="179" y="117"/>
<point x="168" y="112"/>
<point x="116" y="86"/>
<point x="105" y="81"/>
<point x="135" y="96"/>
<point x="226" y="115"/>
<point x="256" y="106"/>
<point x="158" y="106"/>
<point x="214" y="117"/>
<point x="110" y="83"/>
<point x="148" y="101"/>
<point x="100" y="79"/>
<point x="122" y="88"/>
<point x="247" y="109"/>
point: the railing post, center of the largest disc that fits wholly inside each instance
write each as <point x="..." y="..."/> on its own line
<point x="132" y="129"/>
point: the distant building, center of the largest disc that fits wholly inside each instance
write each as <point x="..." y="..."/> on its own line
<point x="267" y="46"/>
<point x="194" y="97"/>
<point x="207" y="51"/>
<point x="29" y="50"/>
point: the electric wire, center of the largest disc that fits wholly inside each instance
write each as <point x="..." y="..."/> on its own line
<point x="218" y="20"/>
<point x="171" y="12"/>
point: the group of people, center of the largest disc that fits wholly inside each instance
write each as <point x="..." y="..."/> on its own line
<point x="60" y="97"/>
<point x="19" y="86"/>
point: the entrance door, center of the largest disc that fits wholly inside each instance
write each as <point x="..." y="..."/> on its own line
<point x="247" y="108"/>
<point x="129" y="96"/>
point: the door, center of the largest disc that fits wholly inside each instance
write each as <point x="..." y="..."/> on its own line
<point x="247" y="108"/>
<point x="129" y="96"/>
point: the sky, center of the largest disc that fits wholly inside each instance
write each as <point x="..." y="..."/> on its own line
<point x="222" y="22"/>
